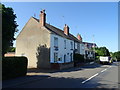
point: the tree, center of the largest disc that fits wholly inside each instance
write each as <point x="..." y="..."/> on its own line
<point x="9" y="27"/>
<point x="101" y="51"/>
<point x="104" y="51"/>
<point x="117" y="55"/>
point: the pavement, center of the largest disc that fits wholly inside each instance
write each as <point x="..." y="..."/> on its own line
<point x="90" y="75"/>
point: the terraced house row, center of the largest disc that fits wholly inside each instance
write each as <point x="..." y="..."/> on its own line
<point x="46" y="46"/>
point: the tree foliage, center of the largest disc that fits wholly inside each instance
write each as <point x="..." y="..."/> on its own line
<point x="101" y="51"/>
<point x="9" y="26"/>
<point x="117" y="55"/>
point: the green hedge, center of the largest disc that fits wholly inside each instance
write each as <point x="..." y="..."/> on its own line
<point x="14" y="67"/>
<point x="89" y="60"/>
<point x="118" y="59"/>
<point x="78" y="58"/>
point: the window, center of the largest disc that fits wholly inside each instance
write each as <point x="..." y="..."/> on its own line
<point x="82" y="46"/>
<point x="88" y="52"/>
<point x="55" y="42"/>
<point x="71" y="43"/>
<point x="64" y="58"/>
<point x="55" y="57"/>
<point x="60" y="59"/>
<point x="75" y="45"/>
<point x="64" y="44"/>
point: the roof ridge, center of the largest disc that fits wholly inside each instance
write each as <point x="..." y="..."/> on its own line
<point x="59" y="31"/>
<point x="55" y="27"/>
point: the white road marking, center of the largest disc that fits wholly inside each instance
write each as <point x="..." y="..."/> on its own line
<point x="90" y="78"/>
<point x="103" y="70"/>
<point x="94" y="75"/>
<point x="110" y="66"/>
<point x="91" y="62"/>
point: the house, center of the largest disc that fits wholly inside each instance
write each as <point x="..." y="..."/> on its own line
<point x="89" y="52"/>
<point x="46" y="46"/>
<point x="81" y="45"/>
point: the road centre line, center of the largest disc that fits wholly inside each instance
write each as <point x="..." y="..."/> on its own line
<point x="103" y="70"/>
<point x="94" y="75"/>
<point x="110" y="66"/>
<point x="91" y="62"/>
<point x="90" y="78"/>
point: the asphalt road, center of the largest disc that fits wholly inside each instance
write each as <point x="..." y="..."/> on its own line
<point x="89" y="76"/>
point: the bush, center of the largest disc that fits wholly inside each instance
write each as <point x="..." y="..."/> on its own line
<point x="118" y="59"/>
<point x="89" y="60"/>
<point x="97" y="57"/>
<point x="78" y="58"/>
<point x="14" y="67"/>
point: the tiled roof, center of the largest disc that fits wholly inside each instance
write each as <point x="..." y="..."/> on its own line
<point x="59" y="32"/>
<point x="90" y="43"/>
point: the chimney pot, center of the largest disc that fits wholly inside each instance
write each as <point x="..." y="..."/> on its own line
<point x="79" y="37"/>
<point x="42" y="18"/>
<point x="66" y="30"/>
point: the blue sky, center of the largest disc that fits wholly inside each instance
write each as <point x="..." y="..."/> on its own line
<point x="95" y="21"/>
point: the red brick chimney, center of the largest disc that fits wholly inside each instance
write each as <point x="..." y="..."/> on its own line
<point x="66" y="30"/>
<point x="42" y="18"/>
<point x="79" y="37"/>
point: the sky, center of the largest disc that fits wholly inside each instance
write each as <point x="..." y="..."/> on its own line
<point x="96" y="22"/>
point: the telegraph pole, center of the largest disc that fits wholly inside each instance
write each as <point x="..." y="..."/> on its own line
<point x="63" y="17"/>
<point x="93" y="46"/>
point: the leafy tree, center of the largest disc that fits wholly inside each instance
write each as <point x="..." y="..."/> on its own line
<point x="111" y="54"/>
<point x="104" y="51"/>
<point x="101" y="51"/>
<point x="9" y="26"/>
<point x="117" y="55"/>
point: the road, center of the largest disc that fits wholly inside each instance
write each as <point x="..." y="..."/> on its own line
<point x="89" y="76"/>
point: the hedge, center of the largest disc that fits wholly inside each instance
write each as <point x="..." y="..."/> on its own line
<point x="14" y="67"/>
<point x="78" y="58"/>
<point x="89" y="60"/>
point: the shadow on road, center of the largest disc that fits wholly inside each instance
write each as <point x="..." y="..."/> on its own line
<point x="22" y="80"/>
<point x="46" y="81"/>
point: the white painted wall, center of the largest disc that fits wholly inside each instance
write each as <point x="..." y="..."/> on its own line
<point x="76" y="45"/>
<point x="61" y="51"/>
<point x="82" y="49"/>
